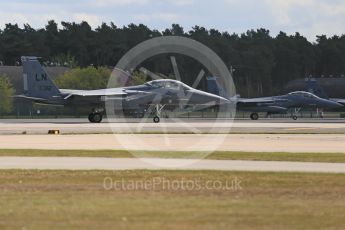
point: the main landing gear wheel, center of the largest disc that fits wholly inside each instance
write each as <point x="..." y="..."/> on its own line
<point x="294" y="118"/>
<point x="254" y="116"/>
<point x="95" y="117"/>
<point x="156" y="119"/>
<point x="91" y="118"/>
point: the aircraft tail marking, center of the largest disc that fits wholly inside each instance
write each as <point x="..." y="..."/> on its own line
<point x="37" y="83"/>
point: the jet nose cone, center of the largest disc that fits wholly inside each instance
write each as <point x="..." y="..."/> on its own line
<point x="202" y="97"/>
<point x="218" y="99"/>
<point x="338" y="105"/>
<point x="333" y="104"/>
<point x="223" y="100"/>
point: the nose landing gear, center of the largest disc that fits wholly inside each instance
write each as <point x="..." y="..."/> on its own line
<point x="295" y="115"/>
<point x="156" y="119"/>
<point x="158" y="112"/>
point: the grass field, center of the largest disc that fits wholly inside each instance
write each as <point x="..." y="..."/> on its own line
<point x="296" y="157"/>
<point x="78" y="200"/>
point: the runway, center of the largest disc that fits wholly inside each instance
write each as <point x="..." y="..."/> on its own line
<point x="297" y="143"/>
<point x="71" y="163"/>
<point x="303" y="136"/>
<point x="198" y="126"/>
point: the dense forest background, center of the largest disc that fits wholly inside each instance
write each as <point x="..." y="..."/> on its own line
<point x="263" y="63"/>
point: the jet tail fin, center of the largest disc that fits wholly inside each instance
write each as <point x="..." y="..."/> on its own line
<point x="37" y="83"/>
<point x="215" y="88"/>
<point x="312" y="86"/>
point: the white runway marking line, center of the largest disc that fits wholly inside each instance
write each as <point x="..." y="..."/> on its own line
<point x="80" y="163"/>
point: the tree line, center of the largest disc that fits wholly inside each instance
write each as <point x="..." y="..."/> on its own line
<point x="263" y="63"/>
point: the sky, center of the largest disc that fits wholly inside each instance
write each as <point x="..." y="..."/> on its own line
<point x="308" y="17"/>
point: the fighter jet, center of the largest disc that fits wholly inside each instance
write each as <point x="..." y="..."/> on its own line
<point x="275" y="104"/>
<point x="155" y="95"/>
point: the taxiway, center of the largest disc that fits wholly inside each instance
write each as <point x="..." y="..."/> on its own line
<point x="192" y="126"/>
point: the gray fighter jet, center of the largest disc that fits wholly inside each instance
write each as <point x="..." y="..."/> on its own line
<point x="155" y="95"/>
<point x="276" y="104"/>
